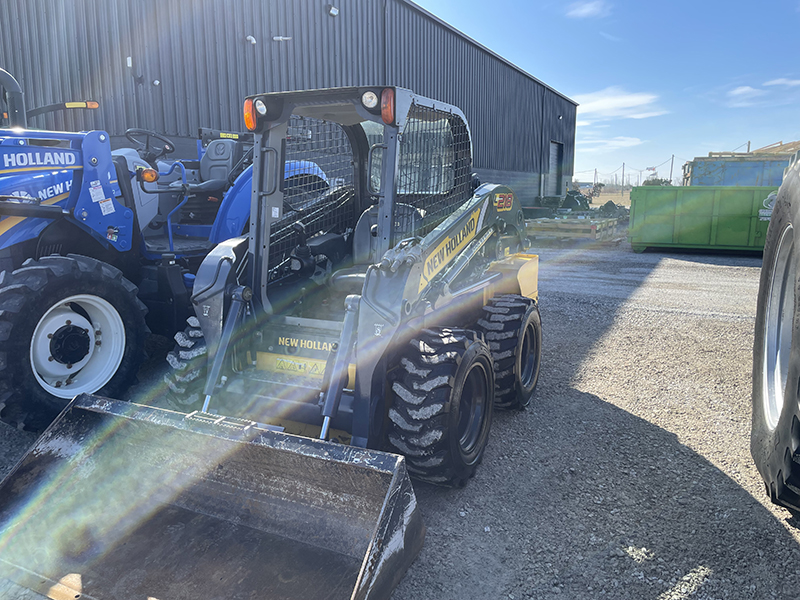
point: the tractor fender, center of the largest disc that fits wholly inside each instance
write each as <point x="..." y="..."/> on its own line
<point x="216" y="274"/>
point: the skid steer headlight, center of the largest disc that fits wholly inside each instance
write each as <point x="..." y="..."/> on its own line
<point x="260" y="107"/>
<point x="387" y="106"/>
<point x="369" y="99"/>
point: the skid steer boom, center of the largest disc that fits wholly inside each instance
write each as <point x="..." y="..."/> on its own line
<point x="118" y="500"/>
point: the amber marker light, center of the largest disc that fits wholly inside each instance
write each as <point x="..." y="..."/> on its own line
<point x="249" y="115"/>
<point x="387" y="106"/>
<point x="148" y="175"/>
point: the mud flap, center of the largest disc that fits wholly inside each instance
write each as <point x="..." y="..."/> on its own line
<point x="118" y="500"/>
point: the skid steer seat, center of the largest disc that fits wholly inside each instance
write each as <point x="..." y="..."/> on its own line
<point x="350" y="280"/>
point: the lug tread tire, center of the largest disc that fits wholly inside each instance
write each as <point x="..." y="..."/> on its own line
<point x="187" y="367"/>
<point x="501" y="324"/>
<point x="24" y="296"/>
<point x="422" y="413"/>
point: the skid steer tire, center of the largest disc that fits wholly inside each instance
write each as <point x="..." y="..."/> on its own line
<point x="441" y="411"/>
<point x="188" y="365"/>
<point x="512" y="328"/>
<point x="775" y="432"/>
<point x="68" y="325"/>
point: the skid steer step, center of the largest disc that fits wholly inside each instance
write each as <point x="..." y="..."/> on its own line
<point x="117" y="500"/>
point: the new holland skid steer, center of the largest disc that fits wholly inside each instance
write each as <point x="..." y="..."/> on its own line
<point x="387" y="317"/>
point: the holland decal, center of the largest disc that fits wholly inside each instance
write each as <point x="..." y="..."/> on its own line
<point x="37" y="158"/>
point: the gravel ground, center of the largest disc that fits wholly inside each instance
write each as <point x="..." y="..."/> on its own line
<point x="630" y="475"/>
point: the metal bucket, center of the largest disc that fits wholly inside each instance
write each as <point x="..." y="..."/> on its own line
<point x="118" y="500"/>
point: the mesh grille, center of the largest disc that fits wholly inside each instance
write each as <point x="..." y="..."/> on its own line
<point x="434" y="175"/>
<point x="318" y="184"/>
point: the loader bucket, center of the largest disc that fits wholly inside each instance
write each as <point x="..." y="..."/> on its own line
<point x="122" y="501"/>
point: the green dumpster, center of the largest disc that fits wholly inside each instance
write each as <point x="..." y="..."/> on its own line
<point x="725" y="218"/>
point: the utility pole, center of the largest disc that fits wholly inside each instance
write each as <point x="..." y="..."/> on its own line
<point x="748" y="146"/>
<point x="670" y="168"/>
<point x="595" y="176"/>
<point x="622" y="188"/>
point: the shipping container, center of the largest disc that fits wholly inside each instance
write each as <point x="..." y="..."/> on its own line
<point x="742" y="170"/>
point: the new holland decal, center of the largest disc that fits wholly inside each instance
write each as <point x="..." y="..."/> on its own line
<point x="448" y="248"/>
<point x="38" y="159"/>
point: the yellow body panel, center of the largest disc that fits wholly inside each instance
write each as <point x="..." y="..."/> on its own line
<point x="299" y="365"/>
<point x="524" y="268"/>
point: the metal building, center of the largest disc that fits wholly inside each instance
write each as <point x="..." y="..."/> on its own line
<point x="173" y="66"/>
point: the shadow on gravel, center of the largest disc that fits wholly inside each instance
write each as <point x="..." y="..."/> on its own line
<point x="578" y="498"/>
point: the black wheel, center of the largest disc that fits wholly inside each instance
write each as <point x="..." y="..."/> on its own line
<point x="68" y="325"/>
<point x="775" y="433"/>
<point x="512" y="327"/>
<point x="441" y="412"/>
<point x="188" y="364"/>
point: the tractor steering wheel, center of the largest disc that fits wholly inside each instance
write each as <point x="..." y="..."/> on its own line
<point x="149" y="153"/>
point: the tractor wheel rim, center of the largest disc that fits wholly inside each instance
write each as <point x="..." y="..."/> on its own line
<point x="472" y="407"/>
<point x="778" y="328"/>
<point x="77" y="346"/>
<point x="528" y="356"/>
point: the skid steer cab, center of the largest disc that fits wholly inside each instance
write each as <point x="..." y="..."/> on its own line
<point x="349" y="339"/>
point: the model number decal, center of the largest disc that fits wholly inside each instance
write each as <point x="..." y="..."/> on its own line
<point x="503" y="202"/>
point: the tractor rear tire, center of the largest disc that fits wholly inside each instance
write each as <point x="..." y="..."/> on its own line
<point x="188" y="366"/>
<point x="512" y="327"/>
<point x="441" y="411"/>
<point x="775" y="432"/>
<point x="68" y="325"/>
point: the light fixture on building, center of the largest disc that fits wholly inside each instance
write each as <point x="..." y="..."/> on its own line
<point x="251" y="39"/>
<point x="560" y="117"/>
<point x="333" y="11"/>
<point x="281" y="38"/>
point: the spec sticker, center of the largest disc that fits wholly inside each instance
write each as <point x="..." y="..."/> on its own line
<point x="276" y="212"/>
<point x="228" y="136"/>
<point x="503" y="202"/>
<point x="112" y="234"/>
<point x="448" y="248"/>
<point x="107" y="206"/>
<point x="96" y="191"/>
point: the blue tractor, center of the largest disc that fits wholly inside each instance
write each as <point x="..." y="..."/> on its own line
<point x="92" y="256"/>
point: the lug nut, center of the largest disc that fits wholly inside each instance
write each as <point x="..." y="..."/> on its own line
<point x="69" y="322"/>
<point x="49" y="336"/>
<point x="50" y="359"/>
<point x="58" y="384"/>
<point x="97" y="342"/>
<point x="69" y="365"/>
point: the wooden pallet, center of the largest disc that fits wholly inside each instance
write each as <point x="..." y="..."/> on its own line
<point x="598" y="230"/>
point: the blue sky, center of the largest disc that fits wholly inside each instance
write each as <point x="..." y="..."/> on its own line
<point x="653" y="78"/>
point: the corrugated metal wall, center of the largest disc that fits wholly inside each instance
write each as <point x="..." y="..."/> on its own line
<point x="199" y="54"/>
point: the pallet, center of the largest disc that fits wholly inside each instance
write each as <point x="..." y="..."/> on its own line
<point x="597" y="230"/>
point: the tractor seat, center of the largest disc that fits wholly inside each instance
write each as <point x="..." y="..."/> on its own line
<point x="350" y="280"/>
<point x="219" y="160"/>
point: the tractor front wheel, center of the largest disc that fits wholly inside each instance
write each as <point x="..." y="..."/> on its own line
<point x="441" y="412"/>
<point x="68" y="325"/>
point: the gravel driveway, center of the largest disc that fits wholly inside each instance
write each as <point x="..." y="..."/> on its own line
<point x="630" y="475"/>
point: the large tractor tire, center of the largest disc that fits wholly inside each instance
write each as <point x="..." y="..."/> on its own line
<point x="68" y="325"/>
<point x="188" y="365"/>
<point x="441" y="412"/>
<point x="775" y="432"/>
<point x="512" y="327"/>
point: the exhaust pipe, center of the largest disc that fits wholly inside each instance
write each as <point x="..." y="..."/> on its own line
<point x="118" y="500"/>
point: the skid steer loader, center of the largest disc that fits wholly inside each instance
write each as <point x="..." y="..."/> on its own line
<point x="387" y="318"/>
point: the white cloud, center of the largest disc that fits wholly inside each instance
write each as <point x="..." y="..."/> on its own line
<point x="616" y="103"/>
<point x="744" y="96"/>
<point x="608" y="145"/>
<point x="582" y="123"/>
<point x="585" y="10"/>
<point x="783" y="81"/>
